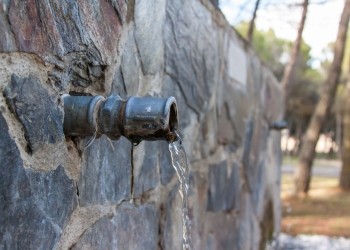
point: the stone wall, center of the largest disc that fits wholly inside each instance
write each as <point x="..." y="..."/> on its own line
<point x="57" y="194"/>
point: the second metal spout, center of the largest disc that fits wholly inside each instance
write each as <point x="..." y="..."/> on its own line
<point x="138" y="118"/>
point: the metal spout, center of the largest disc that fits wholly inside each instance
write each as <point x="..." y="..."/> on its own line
<point x="279" y="125"/>
<point x="138" y="118"/>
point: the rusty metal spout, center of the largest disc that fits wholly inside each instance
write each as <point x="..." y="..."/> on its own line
<point x="137" y="118"/>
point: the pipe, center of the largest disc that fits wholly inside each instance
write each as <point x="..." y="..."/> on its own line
<point x="137" y="118"/>
<point x="279" y="125"/>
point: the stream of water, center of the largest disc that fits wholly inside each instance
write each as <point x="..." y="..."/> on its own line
<point x="179" y="161"/>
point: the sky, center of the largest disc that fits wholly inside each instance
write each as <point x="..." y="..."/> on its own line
<point x="320" y="28"/>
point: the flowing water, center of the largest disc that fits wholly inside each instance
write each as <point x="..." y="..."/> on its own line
<point x="179" y="161"/>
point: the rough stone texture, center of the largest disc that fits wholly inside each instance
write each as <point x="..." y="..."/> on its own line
<point x="130" y="228"/>
<point x="166" y="169"/>
<point x="146" y="167"/>
<point x="35" y="206"/>
<point x="149" y="19"/>
<point x="56" y="193"/>
<point x="223" y="188"/>
<point x="105" y="174"/>
<point x="40" y="116"/>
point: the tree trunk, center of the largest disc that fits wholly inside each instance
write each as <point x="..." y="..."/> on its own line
<point x="290" y="68"/>
<point x="344" y="180"/>
<point x="307" y="153"/>
<point x="339" y="131"/>
<point x="252" y="22"/>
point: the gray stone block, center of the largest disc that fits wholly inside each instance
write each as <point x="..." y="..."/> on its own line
<point x="224" y="189"/>
<point x="220" y="232"/>
<point x="149" y="20"/>
<point x="35" y="206"/>
<point x="189" y="40"/>
<point x="167" y="170"/>
<point x="130" y="228"/>
<point x="55" y="194"/>
<point x="148" y="178"/>
<point x="106" y="172"/>
<point x="237" y="71"/>
<point x="118" y="84"/>
<point x="41" y="118"/>
<point x="99" y="236"/>
<point x="130" y="66"/>
<point x="172" y="229"/>
<point x="7" y="41"/>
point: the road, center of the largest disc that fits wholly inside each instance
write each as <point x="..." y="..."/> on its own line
<point x="322" y="168"/>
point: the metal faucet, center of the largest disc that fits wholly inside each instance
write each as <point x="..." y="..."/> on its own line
<point x="137" y="118"/>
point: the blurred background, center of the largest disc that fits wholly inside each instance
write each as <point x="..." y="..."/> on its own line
<point x="306" y="45"/>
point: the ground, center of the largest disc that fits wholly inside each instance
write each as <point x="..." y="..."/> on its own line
<point x="324" y="211"/>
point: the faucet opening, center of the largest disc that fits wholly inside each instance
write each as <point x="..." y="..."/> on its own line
<point x="147" y="118"/>
<point x="173" y="123"/>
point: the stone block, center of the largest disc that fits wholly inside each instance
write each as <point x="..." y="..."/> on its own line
<point x="55" y="194"/>
<point x="226" y="133"/>
<point x="219" y="232"/>
<point x="99" y="236"/>
<point x="165" y="165"/>
<point x="147" y="177"/>
<point x="189" y="40"/>
<point x="92" y="26"/>
<point x="41" y="118"/>
<point x="149" y="20"/>
<point x="237" y="105"/>
<point x="130" y="65"/>
<point x="211" y="126"/>
<point x="120" y="7"/>
<point x="7" y="42"/>
<point x="237" y="71"/>
<point x="106" y="172"/>
<point x="130" y="228"/>
<point x="118" y="84"/>
<point x="273" y="103"/>
<point x="172" y="229"/>
<point x="224" y="187"/>
<point x="35" y="205"/>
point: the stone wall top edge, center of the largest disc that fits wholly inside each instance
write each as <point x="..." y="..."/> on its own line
<point x="220" y="20"/>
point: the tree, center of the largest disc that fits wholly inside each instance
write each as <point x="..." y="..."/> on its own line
<point x="290" y="68"/>
<point x="307" y="153"/>
<point x="344" y="180"/>
<point x="252" y="22"/>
